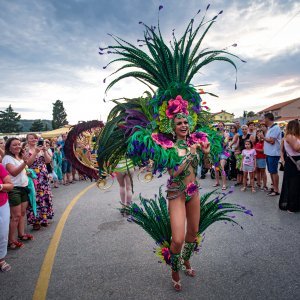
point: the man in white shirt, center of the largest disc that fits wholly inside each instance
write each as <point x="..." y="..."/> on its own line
<point x="272" y="150"/>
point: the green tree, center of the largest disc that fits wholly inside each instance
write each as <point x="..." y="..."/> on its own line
<point x="37" y="126"/>
<point x="46" y="128"/>
<point x="9" y="120"/>
<point x="250" y="114"/>
<point x="59" y="115"/>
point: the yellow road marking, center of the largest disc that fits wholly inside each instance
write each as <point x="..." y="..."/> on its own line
<point x="41" y="288"/>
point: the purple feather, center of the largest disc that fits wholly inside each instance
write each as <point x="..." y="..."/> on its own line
<point x="133" y="119"/>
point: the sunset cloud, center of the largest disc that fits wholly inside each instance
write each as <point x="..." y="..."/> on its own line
<point x="49" y="51"/>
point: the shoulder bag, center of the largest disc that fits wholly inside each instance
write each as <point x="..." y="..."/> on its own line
<point x="297" y="163"/>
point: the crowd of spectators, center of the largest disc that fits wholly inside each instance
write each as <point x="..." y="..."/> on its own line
<point x="251" y="150"/>
<point x="29" y="169"/>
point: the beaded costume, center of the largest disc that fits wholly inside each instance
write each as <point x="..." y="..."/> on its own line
<point x="176" y="185"/>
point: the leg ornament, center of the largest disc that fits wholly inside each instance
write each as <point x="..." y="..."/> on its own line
<point x="188" y="250"/>
<point x="176" y="262"/>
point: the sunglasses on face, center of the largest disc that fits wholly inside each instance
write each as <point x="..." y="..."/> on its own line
<point x="182" y="122"/>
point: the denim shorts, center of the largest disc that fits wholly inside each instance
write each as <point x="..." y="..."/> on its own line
<point x="223" y="156"/>
<point x="272" y="163"/>
<point x="247" y="168"/>
<point x="66" y="166"/>
<point x="261" y="163"/>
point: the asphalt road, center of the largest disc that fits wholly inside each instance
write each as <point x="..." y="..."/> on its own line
<point x="102" y="256"/>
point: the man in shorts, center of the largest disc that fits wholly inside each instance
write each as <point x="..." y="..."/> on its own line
<point x="272" y="150"/>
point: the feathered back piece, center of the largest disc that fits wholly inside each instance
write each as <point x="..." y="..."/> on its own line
<point x="81" y="163"/>
<point x="152" y="215"/>
<point x="121" y="124"/>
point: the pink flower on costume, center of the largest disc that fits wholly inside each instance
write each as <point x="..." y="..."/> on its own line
<point x="166" y="254"/>
<point x="197" y="138"/>
<point x="176" y="106"/>
<point x="191" y="188"/>
<point x="160" y="139"/>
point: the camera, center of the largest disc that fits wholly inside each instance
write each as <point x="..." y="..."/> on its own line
<point x="40" y="142"/>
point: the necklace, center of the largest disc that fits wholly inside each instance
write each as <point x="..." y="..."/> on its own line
<point x="181" y="144"/>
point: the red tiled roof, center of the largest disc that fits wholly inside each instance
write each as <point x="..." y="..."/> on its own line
<point x="278" y="105"/>
<point x="285" y="119"/>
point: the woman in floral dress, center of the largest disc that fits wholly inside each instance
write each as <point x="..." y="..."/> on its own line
<point x="43" y="189"/>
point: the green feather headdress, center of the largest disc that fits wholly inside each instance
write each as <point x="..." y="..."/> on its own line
<point x="170" y="68"/>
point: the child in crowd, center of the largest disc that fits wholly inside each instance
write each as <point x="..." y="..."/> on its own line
<point x="260" y="161"/>
<point x="249" y="165"/>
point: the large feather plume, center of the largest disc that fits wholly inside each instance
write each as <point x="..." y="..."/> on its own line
<point x="165" y="64"/>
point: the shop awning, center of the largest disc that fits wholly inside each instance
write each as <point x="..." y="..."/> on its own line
<point x="56" y="132"/>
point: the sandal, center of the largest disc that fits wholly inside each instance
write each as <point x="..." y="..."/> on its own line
<point x="36" y="226"/>
<point x="216" y="184"/>
<point x="4" y="266"/>
<point x="272" y="194"/>
<point x="190" y="272"/>
<point x="44" y="223"/>
<point x="224" y="188"/>
<point x="253" y="190"/>
<point x="177" y="285"/>
<point x="15" y="245"/>
<point x="243" y="189"/>
<point x="26" y="237"/>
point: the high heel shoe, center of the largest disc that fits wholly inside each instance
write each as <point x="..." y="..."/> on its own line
<point x="190" y="272"/>
<point x="177" y="285"/>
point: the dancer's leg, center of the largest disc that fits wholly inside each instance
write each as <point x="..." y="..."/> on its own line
<point x="128" y="188"/>
<point x="193" y="219"/>
<point x="177" y="218"/>
<point x="121" y="181"/>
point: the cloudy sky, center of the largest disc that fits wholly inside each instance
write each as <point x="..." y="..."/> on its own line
<point x="49" y="51"/>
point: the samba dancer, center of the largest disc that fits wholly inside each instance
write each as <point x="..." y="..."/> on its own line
<point x="184" y="200"/>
